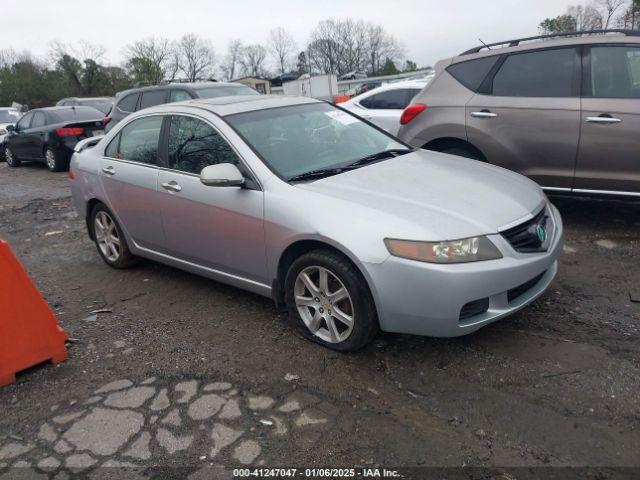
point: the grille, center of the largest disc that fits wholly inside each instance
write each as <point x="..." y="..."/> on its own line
<point x="523" y="238"/>
<point x="474" y="308"/>
<point x="524" y="288"/>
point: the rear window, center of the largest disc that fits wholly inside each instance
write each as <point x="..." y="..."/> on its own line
<point x="128" y="103"/>
<point x="224" y="91"/>
<point x="472" y="72"/>
<point x="152" y="98"/>
<point x="76" y="114"/>
<point x="546" y="73"/>
<point x="9" y="116"/>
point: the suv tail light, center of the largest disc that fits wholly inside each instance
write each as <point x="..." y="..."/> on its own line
<point x="69" y="132"/>
<point x="411" y="112"/>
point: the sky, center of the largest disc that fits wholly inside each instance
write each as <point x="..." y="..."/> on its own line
<point x="429" y="30"/>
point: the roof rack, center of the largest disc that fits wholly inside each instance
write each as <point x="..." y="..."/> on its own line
<point x="516" y="42"/>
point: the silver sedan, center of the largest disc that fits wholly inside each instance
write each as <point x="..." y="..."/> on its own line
<point x="348" y="228"/>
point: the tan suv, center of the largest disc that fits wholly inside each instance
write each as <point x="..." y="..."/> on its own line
<point x="565" y="111"/>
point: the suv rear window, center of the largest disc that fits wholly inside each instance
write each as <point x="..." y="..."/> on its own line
<point x="545" y="73"/>
<point x="472" y="72"/>
<point x="128" y="103"/>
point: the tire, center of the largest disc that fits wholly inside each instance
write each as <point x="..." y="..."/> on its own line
<point x="54" y="161"/>
<point x="321" y="318"/>
<point x="10" y="158"/>
<point x="104" y="228"/>
<point x="461" y="152"/>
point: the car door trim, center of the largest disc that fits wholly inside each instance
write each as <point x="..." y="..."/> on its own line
<point x="214" y="271"/>
<point x="582" y="190"/>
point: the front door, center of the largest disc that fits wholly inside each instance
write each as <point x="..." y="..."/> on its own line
<point x="220" y="228"/>
<point x="609" y="155"/>
<point x="528" y="119"/>
<point x="130" y="179"/>
<point x="20" y="139"/>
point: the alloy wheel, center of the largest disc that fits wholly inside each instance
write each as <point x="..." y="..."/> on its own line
<point x="107" y="236"/>
<point x="50" y="159"/>
<point x="8" y="156"/>
<point x="324" y="304"/>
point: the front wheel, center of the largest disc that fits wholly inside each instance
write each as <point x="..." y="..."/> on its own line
<point x="108" y="236"/>
<point x="330" y="301"/>
<point x="11" y="158"/>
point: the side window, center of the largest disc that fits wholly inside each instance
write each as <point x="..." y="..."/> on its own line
<point x="152" y="98"/>
<point x="39" y="120"/>
<point x="128" y="103"/>
<point x="194" y="144"/>
<point x="25" y="122"/>
<point x="546" y="73"/>
<point x="472" y="72"/>
<point x="615" y="72"/>
<point x="139" y="141"/>
<point x="389" y="100"/>
<point x="112" y="149"/>
<point x="179" y="96"/>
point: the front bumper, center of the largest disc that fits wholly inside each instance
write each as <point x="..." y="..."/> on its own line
<point x="427" y="299"/>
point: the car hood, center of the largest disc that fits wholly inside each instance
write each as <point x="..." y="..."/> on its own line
<point x="433" y="196"/>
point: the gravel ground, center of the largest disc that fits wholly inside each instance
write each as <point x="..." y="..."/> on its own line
<point x="185" y="372"/>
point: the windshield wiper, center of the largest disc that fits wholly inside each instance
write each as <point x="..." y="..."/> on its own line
<point x="320" y="173"/>
<point x="392" y="152"/>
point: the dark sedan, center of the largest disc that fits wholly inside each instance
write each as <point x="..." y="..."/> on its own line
<point x="49" y="134"/>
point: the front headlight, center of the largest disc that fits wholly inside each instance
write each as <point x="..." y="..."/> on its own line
<point x="472" y="249"/>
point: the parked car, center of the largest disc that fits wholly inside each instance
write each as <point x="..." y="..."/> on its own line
<point x="365" y="87"/>
<point x="352" y="75"/>
<point x="138" y="98"/>
<point x="103" y="104"/>
<point x="295" y="199"/>
<point x="384" y="105"/>
<point x="278" y="80"/>
<point x="564" y="111"/>
<point x="50" y="134"/>
<point x="8" y="116"/>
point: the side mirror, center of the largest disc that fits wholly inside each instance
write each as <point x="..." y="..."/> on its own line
<point x="221" y="175"/>
<point x="10" y="128"/>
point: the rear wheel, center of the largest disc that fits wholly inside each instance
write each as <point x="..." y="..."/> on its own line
<point x="330" y="301"/>
<point x="10" y="158"/>
<point x="108" y="236"/>
<point x="461" y="152"/>
<point x="55" y="162"/>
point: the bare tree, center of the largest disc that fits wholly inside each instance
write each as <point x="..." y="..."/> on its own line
<point x="381" y="46"/>
<point x="608" y="10"/>
<point x="195" y="57"/>
<point x="252" y="60"/>
<point x="630" y="17"/>
<point x="152" y="60"/>
<point x="229" y="66"/>
<point x="282" y="46"/>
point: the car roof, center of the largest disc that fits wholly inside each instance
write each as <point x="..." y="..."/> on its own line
<point x="61" y="109"/>
<point x="230" y="105"/>
<point x="538" y="44"/>
<point x="172" y="86"/>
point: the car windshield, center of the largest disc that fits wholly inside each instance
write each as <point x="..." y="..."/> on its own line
<point x="300" y="139"/>
<point x="9" y="116"/>
<point x="225" y="90"/>
<point x="104" y="105"/>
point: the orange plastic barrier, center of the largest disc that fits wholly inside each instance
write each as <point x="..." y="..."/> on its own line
<point x="29" y="331"/>
<point x="341" y="98"/>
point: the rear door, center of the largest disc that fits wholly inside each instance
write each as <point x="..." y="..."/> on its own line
<point x="129" y="173"/>
<point x="609" y="155"/>
<point x="219" y="228"/>
<point x="526" y="116"/>
<point x="385" y="108"/>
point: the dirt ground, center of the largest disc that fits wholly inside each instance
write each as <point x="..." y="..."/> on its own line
<point x="554" y="385"/>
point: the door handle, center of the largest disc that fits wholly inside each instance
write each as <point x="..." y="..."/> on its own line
<point x="109" y="170"/>
<point x="172" y="186"/>
<point x="484" y="114"/>
<point x="603" y="119"/>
